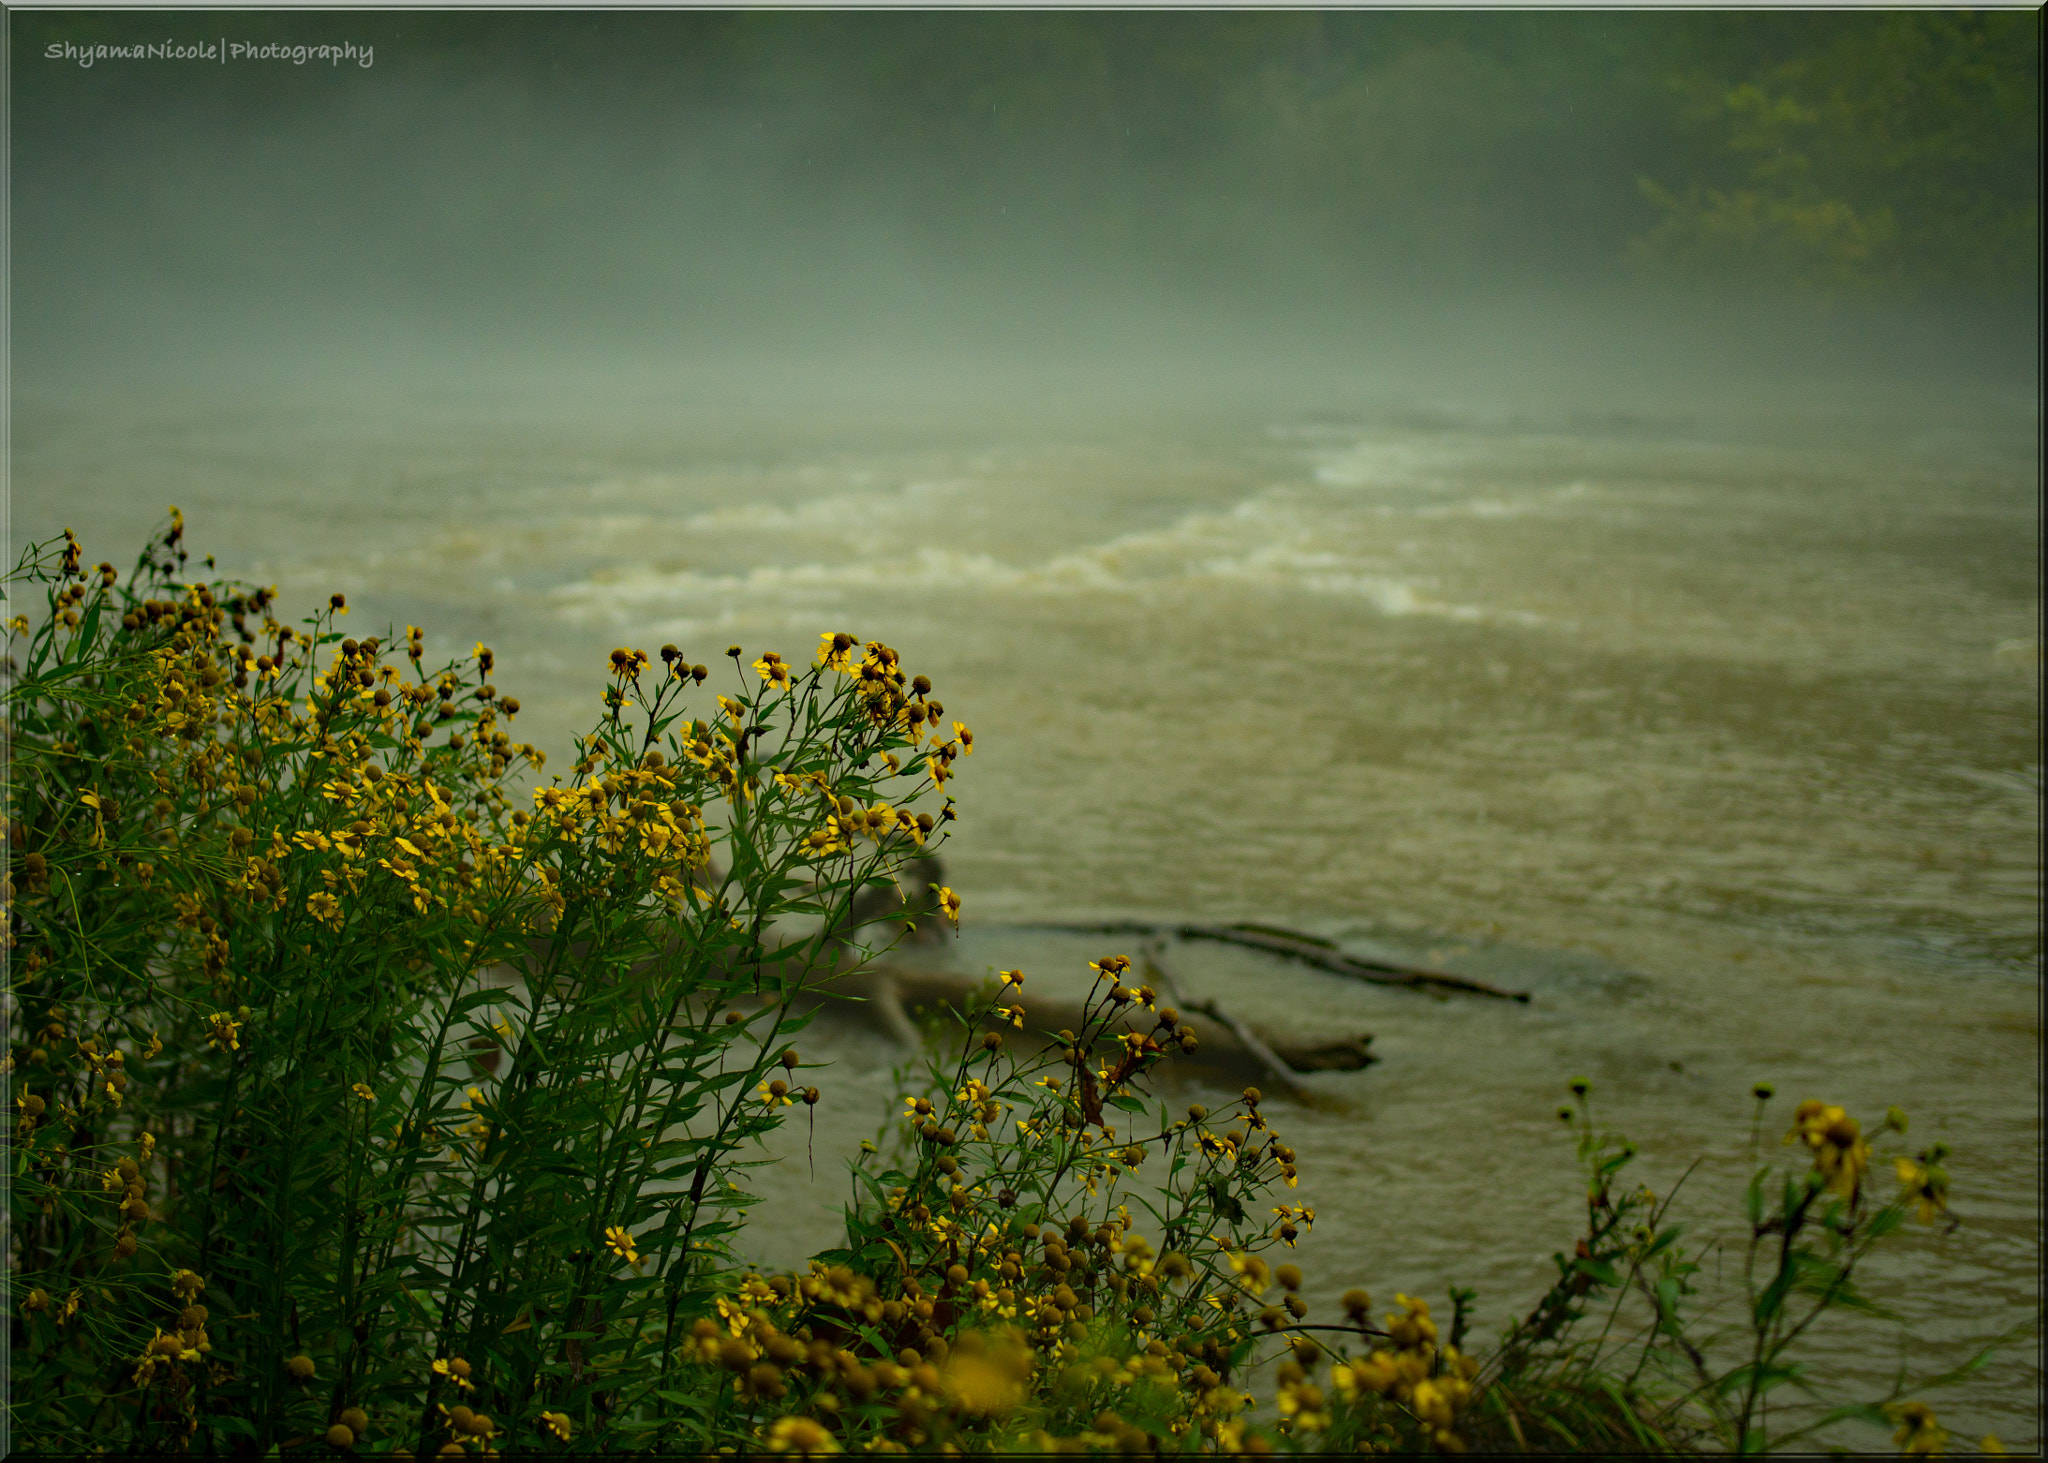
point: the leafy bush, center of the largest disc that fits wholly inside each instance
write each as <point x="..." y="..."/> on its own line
<point x="363" y="1110"/>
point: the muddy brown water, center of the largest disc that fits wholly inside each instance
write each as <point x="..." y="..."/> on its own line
<point x="1721" y="739"/>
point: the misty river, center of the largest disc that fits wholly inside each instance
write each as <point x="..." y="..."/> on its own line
<point x="1719" y="736"/>
<point x="1551" y="495"/>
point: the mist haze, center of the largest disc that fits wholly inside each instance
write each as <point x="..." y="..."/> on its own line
<point x="978" y="205"/>
<point x="1552" y="496"/>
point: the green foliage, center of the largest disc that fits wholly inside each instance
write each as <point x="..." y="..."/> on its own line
<point x="394" y="1073"/>
<point x="1877" y="149"/>
<point x="1691" y="1384"/>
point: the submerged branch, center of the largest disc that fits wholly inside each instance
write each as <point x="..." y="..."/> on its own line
<point x="1276" y="1070"/>
<point x="1296" y="946"/>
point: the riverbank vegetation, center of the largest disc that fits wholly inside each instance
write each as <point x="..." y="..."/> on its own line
<point x="382" y="1087"/>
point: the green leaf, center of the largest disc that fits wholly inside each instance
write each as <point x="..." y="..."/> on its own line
<point x="1598" y="1270"/>
<point x="1772" y="1300"/>
<point x="1222" y="1202"/>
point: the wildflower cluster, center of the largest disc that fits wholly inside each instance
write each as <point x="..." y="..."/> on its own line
<point x="321" y="995"/>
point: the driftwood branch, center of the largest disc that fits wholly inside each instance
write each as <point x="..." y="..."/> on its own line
<point x="1276" y="1070"/>
<point x="882" y="995"/>
<point x="1309" y="950"/>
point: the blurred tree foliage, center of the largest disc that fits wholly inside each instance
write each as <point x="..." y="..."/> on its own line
<point x="1890" y="147"/>
<point x="1896" y="150"/>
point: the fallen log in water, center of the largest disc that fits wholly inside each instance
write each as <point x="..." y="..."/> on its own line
<point x="1293" y="945"/>
<point x="882" y="993"/>
<point x="1275" y="1067"/>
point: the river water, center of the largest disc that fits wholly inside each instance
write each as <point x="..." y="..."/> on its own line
<point x="1720" y="737"/>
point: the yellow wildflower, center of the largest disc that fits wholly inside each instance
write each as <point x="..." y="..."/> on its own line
<point x="800" y="1435"/>
<point x="1413" y="1330"/>
<point x="1926" y="1183"/>
<point x="1919" y="1435"/>
<point x="1840" y="1154"/>
<point x="620" y="1243"/>
<point x="1252" y="1272"/>
<point x="1302" y="1404"/>
<point x="835" y="652"/>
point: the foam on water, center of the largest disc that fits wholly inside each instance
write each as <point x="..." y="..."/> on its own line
<point x="1270" y="541"/>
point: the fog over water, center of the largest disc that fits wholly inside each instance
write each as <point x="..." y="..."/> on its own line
<point x="1668" y="649"/>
